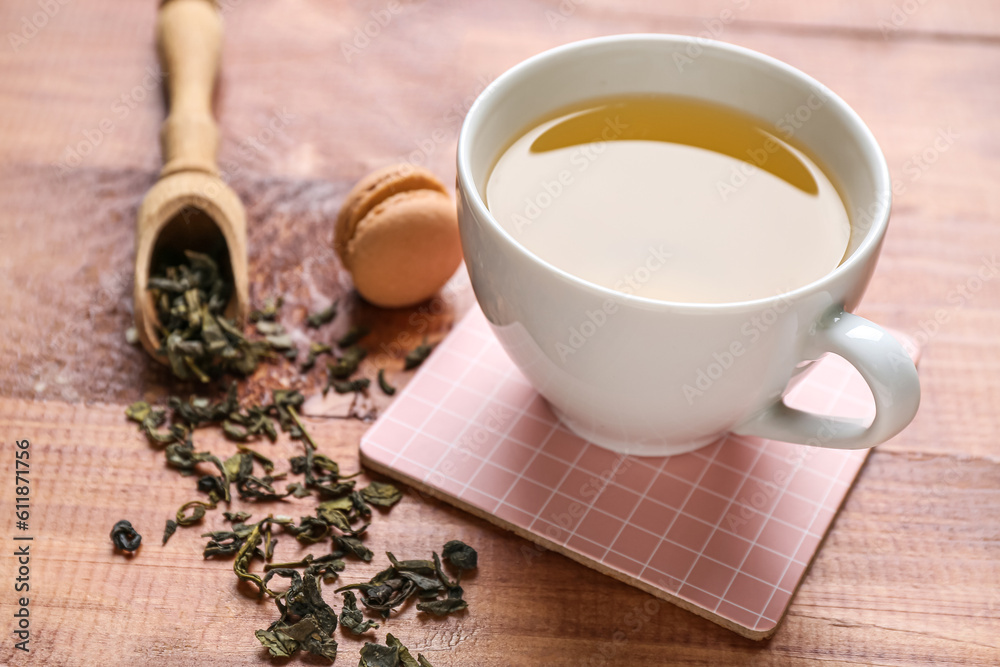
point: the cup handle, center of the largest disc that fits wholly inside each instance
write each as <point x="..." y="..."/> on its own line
<point x="886" y="367"/>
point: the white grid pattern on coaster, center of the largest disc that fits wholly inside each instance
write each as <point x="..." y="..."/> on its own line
<point x="730" y="528"/>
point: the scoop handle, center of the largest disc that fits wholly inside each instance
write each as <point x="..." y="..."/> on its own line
<point x="189" y="42"/>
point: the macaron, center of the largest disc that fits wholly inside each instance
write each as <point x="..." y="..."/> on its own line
<point x="397" y="234"/>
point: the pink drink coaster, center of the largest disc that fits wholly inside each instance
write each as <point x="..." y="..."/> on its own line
<point x="727" y="531"/>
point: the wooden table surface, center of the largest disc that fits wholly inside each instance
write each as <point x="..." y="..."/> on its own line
<point x="910" y="573"/>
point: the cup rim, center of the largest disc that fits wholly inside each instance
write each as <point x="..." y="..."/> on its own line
<point x="510" y="78"/>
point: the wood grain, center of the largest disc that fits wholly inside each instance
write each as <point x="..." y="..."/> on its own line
<point x="910" y="573"/>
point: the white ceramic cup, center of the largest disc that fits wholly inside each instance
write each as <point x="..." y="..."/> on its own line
<point x="655" y="378"/>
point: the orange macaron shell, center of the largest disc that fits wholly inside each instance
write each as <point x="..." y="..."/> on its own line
<point x="405" y="248"/>
<point x="375" y="188"/>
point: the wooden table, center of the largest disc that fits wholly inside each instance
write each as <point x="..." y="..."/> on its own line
<point x="910" y="573"/>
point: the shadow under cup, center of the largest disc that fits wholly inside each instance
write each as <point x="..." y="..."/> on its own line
<point x="613" y="366"/>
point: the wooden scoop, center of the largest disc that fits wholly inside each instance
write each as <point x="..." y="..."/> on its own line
<point x="189" y="208"/>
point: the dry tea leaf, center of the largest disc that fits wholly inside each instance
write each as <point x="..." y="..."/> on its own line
<point x="393" y="586"/>
<point x="461" y="555"/>
<point x="353" y="545"/>
<point x="310" y="530"/>
<point x="443" y="607"/>
<point x="191" y="295"/>
<point x="352" y="618"/>
<point x="138" y="411"/>
<point x="278" y="644"/>
<point x="405" y="659"/>
<point x="169" y="530"/>
<point x="316" y="320"/>
<point x="353" y="335"/>
<point x="381" y="494"/>
<point x="384" y="385"/>
<point x="197" y="512"/>
<point x="280" y="342"/>
<point x="125" y="537"/>
<point x="348" y="362"/>
<point x="417" y="355"/>
<point x="243" y="556"/>
<point x="348" y="386"/>
<point x="306" y="621"/>
<point x="267" y="328"/>
<point x="315" y="349"/>
<point x="268" y="311"/>
<point x="376" y="655"/>
<point x="298" y="490"/>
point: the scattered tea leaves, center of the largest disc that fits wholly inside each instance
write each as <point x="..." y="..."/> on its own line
<point x="138" y="411"/>
<point x="405" y="659"/>
<point x="443" y="607"/>
<point x="382" y="494"/>
<point x="245" y="553"/>
<point x="376" y="655"/>
<point x="306" y="622"/>
<point x="169" y="530"/>
<point x="316" y="320"/>
<point x="353" y="335"/>
<point x="197" y="512"/>
<point x="125" y="537"/>
<point x="280" y="342"/>
<point x="384" y="385"/>
<point x="190" y="298"/>
<point x="269" y="311"/>
<point x="350" y="386"/>
<point x="348" y="362"/>
<point x="268" y="328"/>
<point x="392" y="587"/>
<point x="417" y="355"/>
<point x="352" y="618"/>
<point x="315" y="349"/>
<point x="352" y="545"/>
<point x="461" y="555"/>
<point x="393" y="654"/>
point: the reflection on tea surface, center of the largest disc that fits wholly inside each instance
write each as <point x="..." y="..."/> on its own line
<point x="670" y="198"/>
